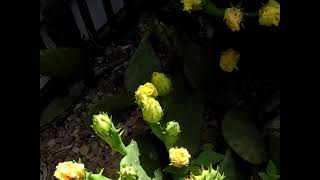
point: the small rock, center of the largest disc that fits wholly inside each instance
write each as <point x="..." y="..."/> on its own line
<point x="102" y="143"/>
<point x="59" y="140"/>
<point x="94" y="145"/>
<point x="126" y="47"/>
<point x="108" y="52"/>
<point x="84" y="150"/>
<point x="77" y="106"/>
<point x="68" y="158"/>
<point x="88" y="97"/>
<point x="75" y="149"/>
<point x="78" y="120"/>
<point x="51" y="143"/>
<point x="90" y="155"/>
<point x="100" y="93"/>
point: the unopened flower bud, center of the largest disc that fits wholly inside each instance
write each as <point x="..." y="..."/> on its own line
<point x="102" y="123"/>
<point x="161" y="82"/>
<point x="151" y="110"/>
<point x="128" y="173"/>
<point x="172" y="128"/>
<point x="104" y="128"/>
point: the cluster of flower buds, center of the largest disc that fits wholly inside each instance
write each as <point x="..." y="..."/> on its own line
<point x="146" y="97"/>
<point x="268" y="15"/>
<point x="128" y="173"/>
<point x="145" y="91"/>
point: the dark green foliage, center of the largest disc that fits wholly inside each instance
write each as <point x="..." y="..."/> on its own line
<point x="65" y="63"/>
<point x="232" y="168"/>
<point x="141" y="66"/>
<point x="60" y="104"/>
<point x="271" y="172"/>
<point x="240" y="132"/>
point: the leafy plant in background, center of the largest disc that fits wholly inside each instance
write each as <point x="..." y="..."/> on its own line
<point x="271" y="172"/>
<point x="68" y="68"/>
<point x="65" y="63"/>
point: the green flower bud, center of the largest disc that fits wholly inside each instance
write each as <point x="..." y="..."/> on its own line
<point x="91" y="176"/>
<point x="173" y="128"/>
<point x="208" y="174"/>
<point x="102" y="123"/>
<point x="105" y="129"/>
<point x="97" y="177"/>
<point x="128" y="173"/>
<point x="151" y="110"/>
<point x="161" y="82"/>
<point x="269" y="14"/>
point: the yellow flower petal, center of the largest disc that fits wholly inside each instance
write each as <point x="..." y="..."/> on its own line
<point x="191" y="5"/>
<point x="233" y="17"/>
<point x="269" y="14"/>
<point x="179" y="157"/>
<point x="144" y="91"/>
<point x="69" y="170"/>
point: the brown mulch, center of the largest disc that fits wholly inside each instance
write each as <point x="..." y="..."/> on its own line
<point x="71" y="137"/>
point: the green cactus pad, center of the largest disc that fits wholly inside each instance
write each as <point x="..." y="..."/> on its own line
<point x="141" y="66"/>
<point x="65" y="63"/>
<point x="186" y="108"/>
<point x="232" y="168"/>
<point x="208" y="157"/>
<point x="242" y="136"/>
<point x="132" y="159"/>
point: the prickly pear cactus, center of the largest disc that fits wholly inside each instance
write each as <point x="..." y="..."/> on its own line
<point x="132" y="160"/>
<point x="208" y="174"/>
<point x="242" y="136"/>
<point x="140" y="67"/>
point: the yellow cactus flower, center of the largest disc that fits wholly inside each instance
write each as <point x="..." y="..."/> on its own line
<point x="144" y="91"/>
<point x="69" y="171"/>
<point x="269" y="14"/>
<point x="191" y="5"/>
<point x="179" y="157"/>
<point x="229" y="60"/>
<point x="233" y="17"/>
